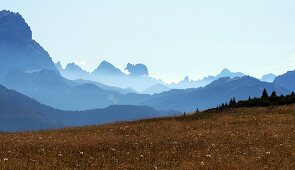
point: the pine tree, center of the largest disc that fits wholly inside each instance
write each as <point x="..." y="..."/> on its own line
<point x="264" y="94"/>
<point x="273" y="94"/>
<point x="230" y="102"/>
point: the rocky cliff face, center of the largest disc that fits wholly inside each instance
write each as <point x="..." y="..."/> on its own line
<point x="17" y="48"/>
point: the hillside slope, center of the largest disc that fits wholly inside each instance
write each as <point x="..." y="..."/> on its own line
<point x="21" y="113"/>
<point x="251" y="138"/>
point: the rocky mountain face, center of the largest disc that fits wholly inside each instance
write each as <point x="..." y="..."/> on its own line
<point x="17" y="48"/>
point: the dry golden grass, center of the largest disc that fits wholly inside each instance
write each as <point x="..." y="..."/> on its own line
<point x="246" y="138"/>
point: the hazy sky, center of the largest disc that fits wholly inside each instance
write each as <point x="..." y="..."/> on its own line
<point x="174" y="38"/>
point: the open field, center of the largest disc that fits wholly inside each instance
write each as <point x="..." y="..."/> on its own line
<point x="246" y="138"/>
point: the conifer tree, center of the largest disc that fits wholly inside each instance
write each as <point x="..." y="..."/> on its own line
<point x="273" y="94"/>
<point x="264" y="94"/>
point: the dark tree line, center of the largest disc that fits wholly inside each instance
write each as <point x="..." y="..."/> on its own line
<point x="263" y="101"/>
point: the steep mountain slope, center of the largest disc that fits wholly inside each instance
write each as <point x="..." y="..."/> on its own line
<point x="17" y="48"/>
<point x="286" y="80"/>
<point x="221" y="90"/>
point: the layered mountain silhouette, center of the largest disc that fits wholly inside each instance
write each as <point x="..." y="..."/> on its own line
<point x="17" y="48"/>
<point x="73" y="71"/>
<point x="286" y="80"/>
<point x="268" y="78"/>
<point x="221" y="90"/>
<point x="48" y="87"/>
<point x="21" y="113"/>
<point x="187" y="83"/>
<point x="158" y="88"/>
<point x="103" y="86"/>
<point x="18" y="112"/>
<point x="137" y="79"/>
<point x="77" y="76"/>
<point x="27" y="68"/>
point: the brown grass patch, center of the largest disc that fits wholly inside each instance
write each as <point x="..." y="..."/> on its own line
<point x="246" y="138"/>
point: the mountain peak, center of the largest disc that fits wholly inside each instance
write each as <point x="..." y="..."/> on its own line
<point x="225" y="71"/>
<point x="17" y="48"/>
<point x="104" y="62"/>
<point x="186" y="79"/>
<point x="58" y="66"/>
<point x="107" y="68"/>
<point x="268" y="77"/>
<point x="13" y="28"/>
<point x="72" y="66"/>
<point x="137" y="69"/>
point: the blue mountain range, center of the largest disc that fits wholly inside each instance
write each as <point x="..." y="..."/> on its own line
<point x="107" y="93"/>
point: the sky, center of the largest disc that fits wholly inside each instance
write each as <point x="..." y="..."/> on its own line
<point x="174" y="38"/>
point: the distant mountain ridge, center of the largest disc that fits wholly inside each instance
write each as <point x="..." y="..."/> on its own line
<point x="106" y="69"/>
<point x="268" y="78"/>
<point x="106" y="73"/>
<point x="27" y="68"/>
<point x="221" y="90"/>
<point x="286" y="80"/>
<point x="137" y="69"/>
<point x="187" y="83"/>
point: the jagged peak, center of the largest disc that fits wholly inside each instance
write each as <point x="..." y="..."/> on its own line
<point x="13" y="28"/>
<point x="137" y="69"/>
<point x="225" y="71"/>
<point x="106" y="67"/>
